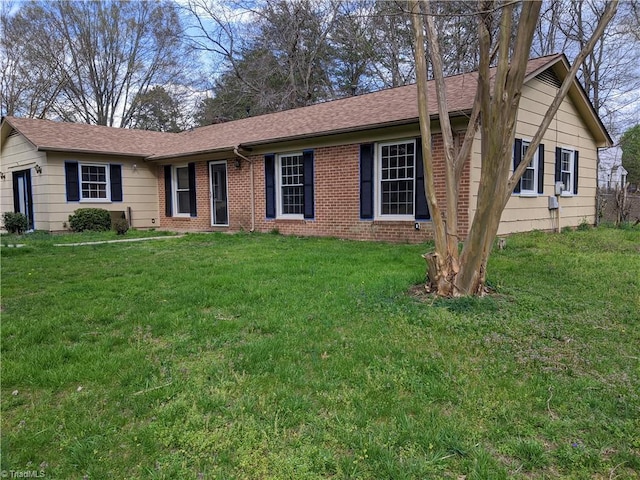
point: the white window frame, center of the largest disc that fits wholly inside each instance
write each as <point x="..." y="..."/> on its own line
<point x="378" y="215"/>
<point x="175" y="190"/>
<point x="107" y="183"/>
<point x="279" y="186"/>
<point x="533" y="166"/>
<point x="571" y="172"/>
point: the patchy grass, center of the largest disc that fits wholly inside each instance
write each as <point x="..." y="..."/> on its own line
<point x="263" y="356"/>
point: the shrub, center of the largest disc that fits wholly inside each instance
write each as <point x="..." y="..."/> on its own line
<point x="121" y="226"/>
<point x="584" y="225"/>
<point x="96" y="219"/>
<point x="15" y="222"/>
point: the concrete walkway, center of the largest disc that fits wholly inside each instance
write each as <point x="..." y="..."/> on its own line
<point x="116" y="241"/>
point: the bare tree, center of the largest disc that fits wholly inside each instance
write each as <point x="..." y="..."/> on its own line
<point x="452" y="273"/>
<point x="548" y="38"/>
<point x="282" y="58"/>
<point x="29" y="82"/>
<point x="92" y="58"/>
<point x="610" y="74"/>
<point x="354" y="48"/>
<point x="612" y="66"/>
<point x="393" y="45"/>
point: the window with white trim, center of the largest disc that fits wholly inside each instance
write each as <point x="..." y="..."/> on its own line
<point x="94" y="182"/>
<point x="181" y="193"/>
<point x="396" y="172"/>
<point x="290" y="185"/>
<point x="566" y="170"/>
<point x="529" y="180"/>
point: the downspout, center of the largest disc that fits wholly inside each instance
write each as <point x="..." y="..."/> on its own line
<point x="253" y="200"/>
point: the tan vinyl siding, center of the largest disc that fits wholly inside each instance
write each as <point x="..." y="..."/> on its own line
<point x="139" y="187"/>
<point x="524" y="213"/>
<point x="18" y="154"/>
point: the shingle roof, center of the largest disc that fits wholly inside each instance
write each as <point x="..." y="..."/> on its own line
<point x="48" y="135"/>
<point x="386" y="107"/>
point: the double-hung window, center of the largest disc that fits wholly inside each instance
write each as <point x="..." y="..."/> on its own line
<point x="94" y="182"/>
<point x="396" y="173"/>
<point x="290" y="180"/>
<point x="567" y="170"/>
<point x="182" y="196"/>
<point x="289" y="185"/>
<point x="532" y="181"/>
<point x="392" y="181"/>
<point x="180" y="190"/>
<point x="529" y="178"/>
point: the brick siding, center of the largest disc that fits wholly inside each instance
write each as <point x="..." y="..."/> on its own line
<point x="336" y="194"/>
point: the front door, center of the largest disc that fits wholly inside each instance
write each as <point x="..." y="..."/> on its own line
<point x="219" y="211"/>
<point x="22" y="196"/>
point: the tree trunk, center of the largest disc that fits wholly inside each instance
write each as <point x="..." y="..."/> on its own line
<point x="450" y="273"/>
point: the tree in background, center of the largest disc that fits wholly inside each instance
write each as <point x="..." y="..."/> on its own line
<point x="612" y="70"/>
<point x="452" y="272"/>
<point x="630" y="144"/>
<point x="280" y="60"/>
<point x="156" y="109"/>
<point x="30" y="82"/>
<point x="91" y="59"/>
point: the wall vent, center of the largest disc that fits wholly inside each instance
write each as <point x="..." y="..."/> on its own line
<point x="14" y="132"/>
<point x="549" y="78"/>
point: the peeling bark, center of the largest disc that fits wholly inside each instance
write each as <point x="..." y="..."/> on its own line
<point x="449" y="273"/>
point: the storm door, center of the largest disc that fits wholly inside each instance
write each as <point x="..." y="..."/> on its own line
<point x="219" y="209"/>
<point x="22" y="196"/>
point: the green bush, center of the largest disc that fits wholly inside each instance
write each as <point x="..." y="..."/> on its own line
<point x="95" y="219"/>
<point x="584" y="225"/>
<point x="15" y="222"/>
<point x="121" y="226"/>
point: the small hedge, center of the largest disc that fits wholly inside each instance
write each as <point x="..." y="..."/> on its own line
<point x="121" y="226"/>
<point x="15" y="222"/>
<point x="94" y="219"/>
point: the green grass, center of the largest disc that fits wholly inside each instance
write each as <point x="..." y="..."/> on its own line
<point x="41" y="238"/>
<point x="263" y="356"/>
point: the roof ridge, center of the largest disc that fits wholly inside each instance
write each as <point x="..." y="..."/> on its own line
<point x="350" y="97"/>
<point x="384" y="107"/>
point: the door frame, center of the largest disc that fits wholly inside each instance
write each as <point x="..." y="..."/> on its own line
<point x="211" y="192"/>
<point x="24" y="176"/>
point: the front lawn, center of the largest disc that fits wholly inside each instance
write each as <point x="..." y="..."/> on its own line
<point x="263" y="356"/>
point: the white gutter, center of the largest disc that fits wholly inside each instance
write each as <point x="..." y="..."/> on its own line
<point x="253" y="200"/>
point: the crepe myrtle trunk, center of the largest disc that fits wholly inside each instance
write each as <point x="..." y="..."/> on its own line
<point x="496" y="103"/>
<point x="451" y="274"/>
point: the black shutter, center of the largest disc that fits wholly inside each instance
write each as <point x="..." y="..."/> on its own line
<point x="575" y="172"/>
<point x="366" y="181"/>
<point x="422" y="209"/>
<point x="541" y="169"/>
<point x="192" y="189"/>
<point x="72" y="181"/>
<point x="29" y="193"/>
<point x="307" y="158"/>
<point x="115" y="174"/>
<point x="16" y="195"/>
<point x="270" y="185"/>
<point x="517" y="158"/>
<point x="558" y="174"/>
<point x="168" y="198"/>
